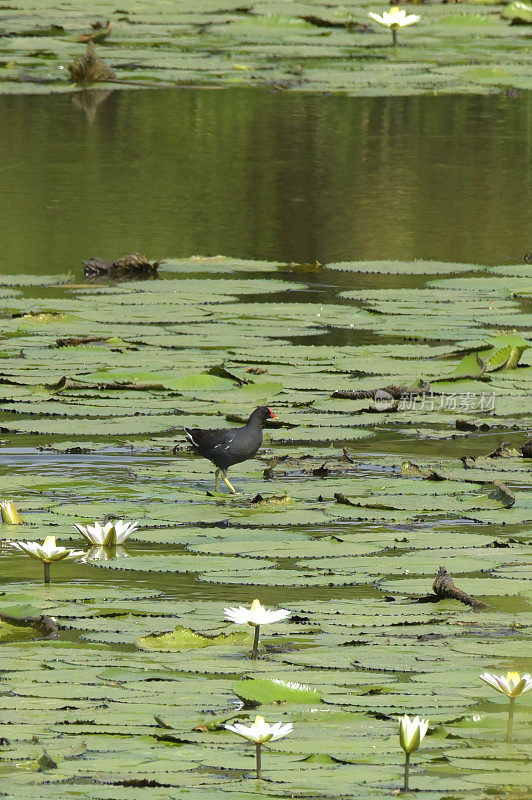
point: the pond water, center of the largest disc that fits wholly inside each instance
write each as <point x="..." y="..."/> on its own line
<point x="415" y="210"/>
<point x="263" y="175"/>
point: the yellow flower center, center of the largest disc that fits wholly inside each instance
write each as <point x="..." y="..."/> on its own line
<point x="259" y="721"/>
<point x="255" y="605"/>
<point x="394" y="10"/>
<point x="513" y="677"/>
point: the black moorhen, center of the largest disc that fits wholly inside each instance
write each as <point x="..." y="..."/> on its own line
<point x="225" y="447"/>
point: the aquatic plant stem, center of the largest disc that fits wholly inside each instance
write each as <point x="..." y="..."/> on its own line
<point x="46" y="572"/>
<point x="510" y="720"/>
<point x="394" y="36"/>
<point x="258" y="759"/>
<point x="407" y="768"/>
<point x="255" y="650"/>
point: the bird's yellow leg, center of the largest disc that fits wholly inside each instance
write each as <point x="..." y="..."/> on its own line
<point x="228" y="483"/>
<point x="217" y="480"/>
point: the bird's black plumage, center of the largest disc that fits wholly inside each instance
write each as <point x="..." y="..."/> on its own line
<point x="226" y="447"/>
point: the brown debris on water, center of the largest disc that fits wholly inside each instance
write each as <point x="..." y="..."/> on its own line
<point x="321" y="472"/>
<point x="444" y="589"/>
<point x="526" y="449"/>
<point x="275" y="500"/>
<point x="342" y="499"/>
<point x="347" y="455"/>
<point x="162" y="723"/>
<point x="503" y="450"/>
<point x="46" y="762"/>
<point x="395" y="392"/>
<point x="131" y="266"/>
<point x="90" y="68"/>
<point x="99" y="33"/>
<point x="75" y="341"/>
<point x="411" y="470"/>
<point x="330" y="22"/>
<point x="466" y="425"/>
<point x="256" y="370"/>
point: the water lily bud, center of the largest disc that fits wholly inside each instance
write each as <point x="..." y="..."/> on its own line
<point x="412" y="732"/>
<point x="10" y="515"/>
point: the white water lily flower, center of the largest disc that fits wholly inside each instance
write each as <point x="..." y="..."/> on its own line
<point x="256" y="615"/>
<point x="9" y="513"/>
<point x="412" y="732"/>
<point x="48" y="551"/>
<point x="108" y="535"/>
<point x="395" y="18"/>
<point x="124" y="529"/>
<point x="512" y="685"/>
<point x="261" y="731"/>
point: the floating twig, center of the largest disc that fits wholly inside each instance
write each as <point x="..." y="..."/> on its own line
<point x="99" y="32"/>
<point x="444" y="589"/>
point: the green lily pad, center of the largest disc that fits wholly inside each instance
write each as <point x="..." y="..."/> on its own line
<point x="185" y="639"/>
<point x="266" y="691"/>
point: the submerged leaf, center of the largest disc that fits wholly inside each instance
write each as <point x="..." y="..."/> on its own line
<point x="186" y="639"/>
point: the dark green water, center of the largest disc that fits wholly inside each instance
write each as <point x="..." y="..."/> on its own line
<point x="262" y="175"/>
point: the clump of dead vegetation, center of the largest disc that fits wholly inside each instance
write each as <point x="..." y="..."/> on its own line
<point x="131" y="266"/>
<point x="90" y="68"/>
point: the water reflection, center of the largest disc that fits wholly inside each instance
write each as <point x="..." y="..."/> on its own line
<point x="100" y="553"/>
<point x="262" y="175"/>
<point x="89" y="101"/>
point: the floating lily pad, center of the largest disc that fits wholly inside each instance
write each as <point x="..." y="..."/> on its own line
<point x="265" y="691"/>
<point x="404" y="267"/>
<point x="185" y="639"/>
<point x="347" y="541"/>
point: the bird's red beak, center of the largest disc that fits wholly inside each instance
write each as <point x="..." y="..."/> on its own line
<point x="272" y="415"/>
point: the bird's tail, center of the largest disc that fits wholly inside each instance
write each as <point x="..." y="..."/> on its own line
<point x="189" y="436"/>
